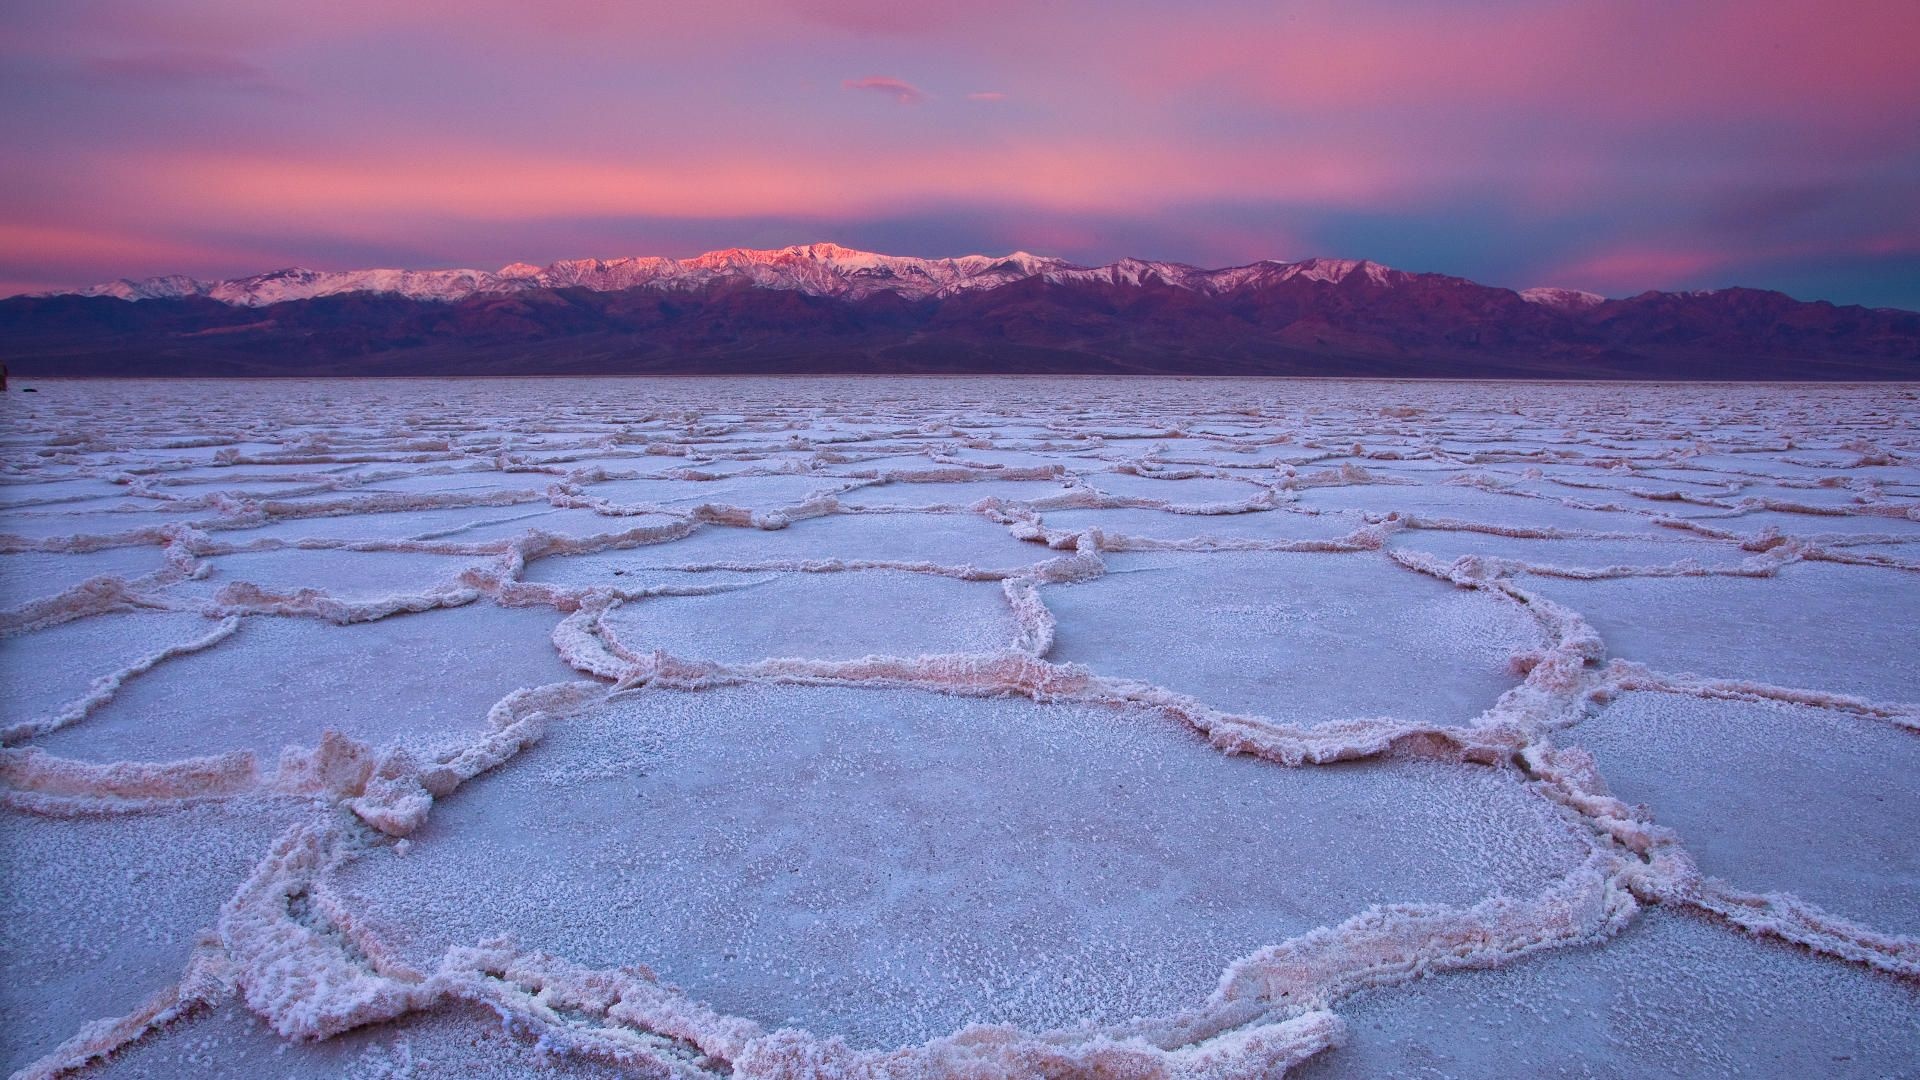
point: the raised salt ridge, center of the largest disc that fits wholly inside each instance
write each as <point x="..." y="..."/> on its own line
<point x="922" y="728"/>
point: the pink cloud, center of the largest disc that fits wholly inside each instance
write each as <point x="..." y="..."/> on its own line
<point x="1639" y="266"/>
<point x="893" y="18"/>
<point x="1632" y="58"/>
<point x="1631" y="269"/>
<point x="63" y="257"/>
<point x="902" y="93"/>
<point x="393" y="187"/>
<point x="1639" y="122"/>
<point x="183" y="68"/>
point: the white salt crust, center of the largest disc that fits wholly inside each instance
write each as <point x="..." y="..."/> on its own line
<point x="924" y="728"/>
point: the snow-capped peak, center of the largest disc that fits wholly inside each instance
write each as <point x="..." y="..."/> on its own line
<point x="822" y="269"/>
<point x="1336" y="271"/>
<point x="1562" y="299"/>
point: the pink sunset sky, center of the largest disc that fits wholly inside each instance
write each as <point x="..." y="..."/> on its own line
<point x="1615" y="146"/>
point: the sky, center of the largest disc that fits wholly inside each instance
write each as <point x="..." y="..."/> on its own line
<point x="1609" y="145"/>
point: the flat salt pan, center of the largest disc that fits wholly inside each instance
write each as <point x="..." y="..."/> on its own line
<point x="1161" y="525"/>
<point x="1672" y="996"/>
<point x="230" y="1043"/>
<point x="1775" y="798"/>
<point x="283" y="681"/>
<point x="1815" y="526"/>
<point x="46" y="669"/>
<point x="27" y="576"/>
<point x="53" y="492"/>
<point x="951" y="494"/>
<point x="1469" y="504"/>
<point x="1572" y="554"/>
<point x="753" y="492"/>
<point x="1846" y="629"/>
<point x="347" y="575"/>
<point x="397" y="525"/>
<point x="1302" y="637"/>
<point x="827" y="855"/>
<point x="889" y="865"/>
<point x="823" y="616"/>
<point x="103" y="912"/>
<point x="52" y="523"/>
<point x="949" y="540"/>
<point x="1189" y="491"/>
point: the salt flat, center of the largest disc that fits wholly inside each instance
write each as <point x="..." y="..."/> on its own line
<point x="975" y="727"/>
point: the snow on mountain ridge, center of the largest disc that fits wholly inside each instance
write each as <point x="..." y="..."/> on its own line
<point x="1563" y="299"/>
<point x="822" y="269"/>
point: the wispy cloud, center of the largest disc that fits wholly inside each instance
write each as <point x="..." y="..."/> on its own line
<point x="903" y="93"/>
<point x="183" y="68"/>
<point x="1623" y="144"/>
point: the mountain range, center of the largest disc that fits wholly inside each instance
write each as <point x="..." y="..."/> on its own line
<point x="822" y="308"/>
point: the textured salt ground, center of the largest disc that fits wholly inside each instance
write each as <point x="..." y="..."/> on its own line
<point x="1803" y="464"/>
<point x="823" y="616"/>
<point x="1845" y="629"/>
<point x="1775" y="798"/>
<point x="1188" y="491"/>
<point x="950" y="540"/>
<point x="952" y="494"/>
<point x="253" y="487"/>
<point x="1645" y="502"/>
<point x="229" y="1043"/>
<point x="1161" y="525"/>
<point x="29" y="575"/>
<point x="1908" y="551"/>
<point x="229" y="475"/>
<point x="1671" y="996"/>
<point x="1601" y="479"/>
<point x="530" y="489"/>
<point x="889" y="865"/>
<point x="1022" y="459"/>
<point x="1847" y="498"/>
<point x="1572" y="554"/>
<point x="569" y="522"/>
<point x="870" y="461"/>
<point x="636" y="462"/>
<point x="47" y="669"/>
<point x="1284" y="635"/>
<point x="54" y="522"/>
<point x="911" y="424"/>
<point x="1469" y="504"/>
<point x="460" y="524"/>
<point x="753" y="492"/>
<point x="62" y="492"/>
<point x="464" y="482"/>
<point x="282" y="682"/>
<point x="1812" y="526"/>
<point x="102" y="912"/>
<point x="346" y="575"/>
<point x="1391" y="470"/>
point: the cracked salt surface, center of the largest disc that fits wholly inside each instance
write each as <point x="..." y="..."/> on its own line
<point x="1287" y="634"/>
<point x="1848" y="629"/>
<point x="891" y="865"/>
<point x="101" y="912"/>
<point x="1774" y="797"/>
<point x="873" y="612"/>
<point x="441" y="671"/>
<point x="46" y="672"/>
<point x="958" y="727"/>
<point x="1672" y="996"/>
<point x="26" y="576"/>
